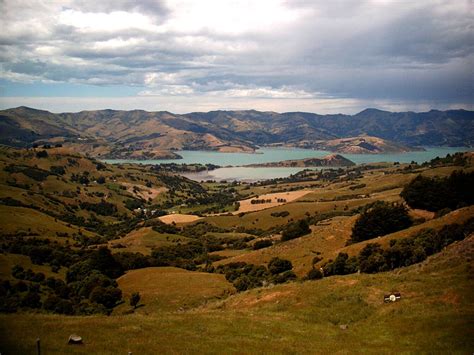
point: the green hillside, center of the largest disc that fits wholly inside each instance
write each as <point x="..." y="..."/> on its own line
<point x="80" y="237"/>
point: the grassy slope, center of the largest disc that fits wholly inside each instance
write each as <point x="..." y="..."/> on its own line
<point x="329" y="237"/>
<point x="434" y="315"/>
<point x="171" y="288"/>
<point x="21" y="219"/>
<point x="144" y="239"/>
<point x="324" y="238"/>
<point x="7" y="261"/>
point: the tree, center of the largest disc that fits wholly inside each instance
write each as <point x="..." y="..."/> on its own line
<point x="383" y="218"/>
<point x="343" y="265"/>
<point x="134" y="299"/>
<point x="107" y="296"/>
<point x="295" y="230"/>
<point x="103" y="260"/>
<point x="31" y="299"/>
<point x="371" y="258"/>
<point x="435" y="194"/>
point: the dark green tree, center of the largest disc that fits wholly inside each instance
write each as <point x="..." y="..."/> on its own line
<point x="134" y="299"/>
<point x="383" y="218"/>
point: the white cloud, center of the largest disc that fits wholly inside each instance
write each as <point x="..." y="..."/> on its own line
<point x="230" y="16"/>
<point x="266" y="92"/>
<point x="280" y="52"/>
<point x="105" y="22"/>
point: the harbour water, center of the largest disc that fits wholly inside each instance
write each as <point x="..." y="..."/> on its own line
<point x="232" y="168"/>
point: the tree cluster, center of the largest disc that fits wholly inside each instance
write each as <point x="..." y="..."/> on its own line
<point x="435" y="194"/>
<point x="400" y="253"/>
<point x="247" y="276"/>
<point x="380" y="219"/>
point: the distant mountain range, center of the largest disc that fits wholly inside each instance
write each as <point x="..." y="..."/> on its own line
<point x="142" y="134"/>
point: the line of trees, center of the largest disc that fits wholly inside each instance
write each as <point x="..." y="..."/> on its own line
<point x="403" y="252"/>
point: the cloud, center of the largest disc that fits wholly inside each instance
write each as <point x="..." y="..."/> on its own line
<point x="295" y="51"/>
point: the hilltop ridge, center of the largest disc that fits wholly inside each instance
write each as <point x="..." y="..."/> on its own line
<point x="143" y="134"/>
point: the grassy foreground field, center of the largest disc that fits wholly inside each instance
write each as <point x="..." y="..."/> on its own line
<point x="435" y="315"/>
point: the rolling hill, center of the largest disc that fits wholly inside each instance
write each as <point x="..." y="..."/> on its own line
<point x="142" y="134"/>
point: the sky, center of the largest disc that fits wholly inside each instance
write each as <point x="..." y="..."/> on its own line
<point x="338" y="56"/>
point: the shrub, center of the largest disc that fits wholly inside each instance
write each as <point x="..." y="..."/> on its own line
<point x="57" y="170"/>
<point x="50" y="302"/>
<point x="314" y="274"/>
<point x="42" y="154"/>
<point x="277" y="265"/>
<point x="242" y="283"/>
<point x="284" y="277"/>
<point x="371" y="258"/>
<point x="263" y="243"/>
<point x="131" y="261"/>
<point x="280" y="214"/>
<point x="86" y="308"/>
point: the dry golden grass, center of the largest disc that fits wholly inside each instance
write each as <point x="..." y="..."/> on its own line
<point x="143" y="192"/>
<point x="434" y="316"/>
<point x="229" y="253"/>
<point x="421" y="214"/>
<point x="21" y="219"/>
<point x="169" y="288"/>
<point x="179" y="218"/>
<point x="144" y="239"/>
<point x="325" y="238"/>
<point x="247" y="206"/>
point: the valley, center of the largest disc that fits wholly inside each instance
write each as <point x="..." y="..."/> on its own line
<point x="236" y="177"/>
<point x="202" y="256"/>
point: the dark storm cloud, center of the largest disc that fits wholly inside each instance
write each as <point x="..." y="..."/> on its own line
<point x="366" y="50"/>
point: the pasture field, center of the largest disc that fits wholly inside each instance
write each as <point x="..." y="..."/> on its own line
<point x="329" y="237"/>
<point x="291" y="318"/>
<point x="179" y="218"/>
<point x="187" y="306"/>
<point x="144" y="239"/>
<point x="247" y="206"/>
<point x="169" y="288"/>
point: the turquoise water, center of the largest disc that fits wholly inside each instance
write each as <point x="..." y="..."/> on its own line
<point x="267" y="155"/>
<point x="263" y="155"/>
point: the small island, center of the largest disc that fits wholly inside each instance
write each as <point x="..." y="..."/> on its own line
<point x="357" y="145"/>
<point x="332" y="160"/>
